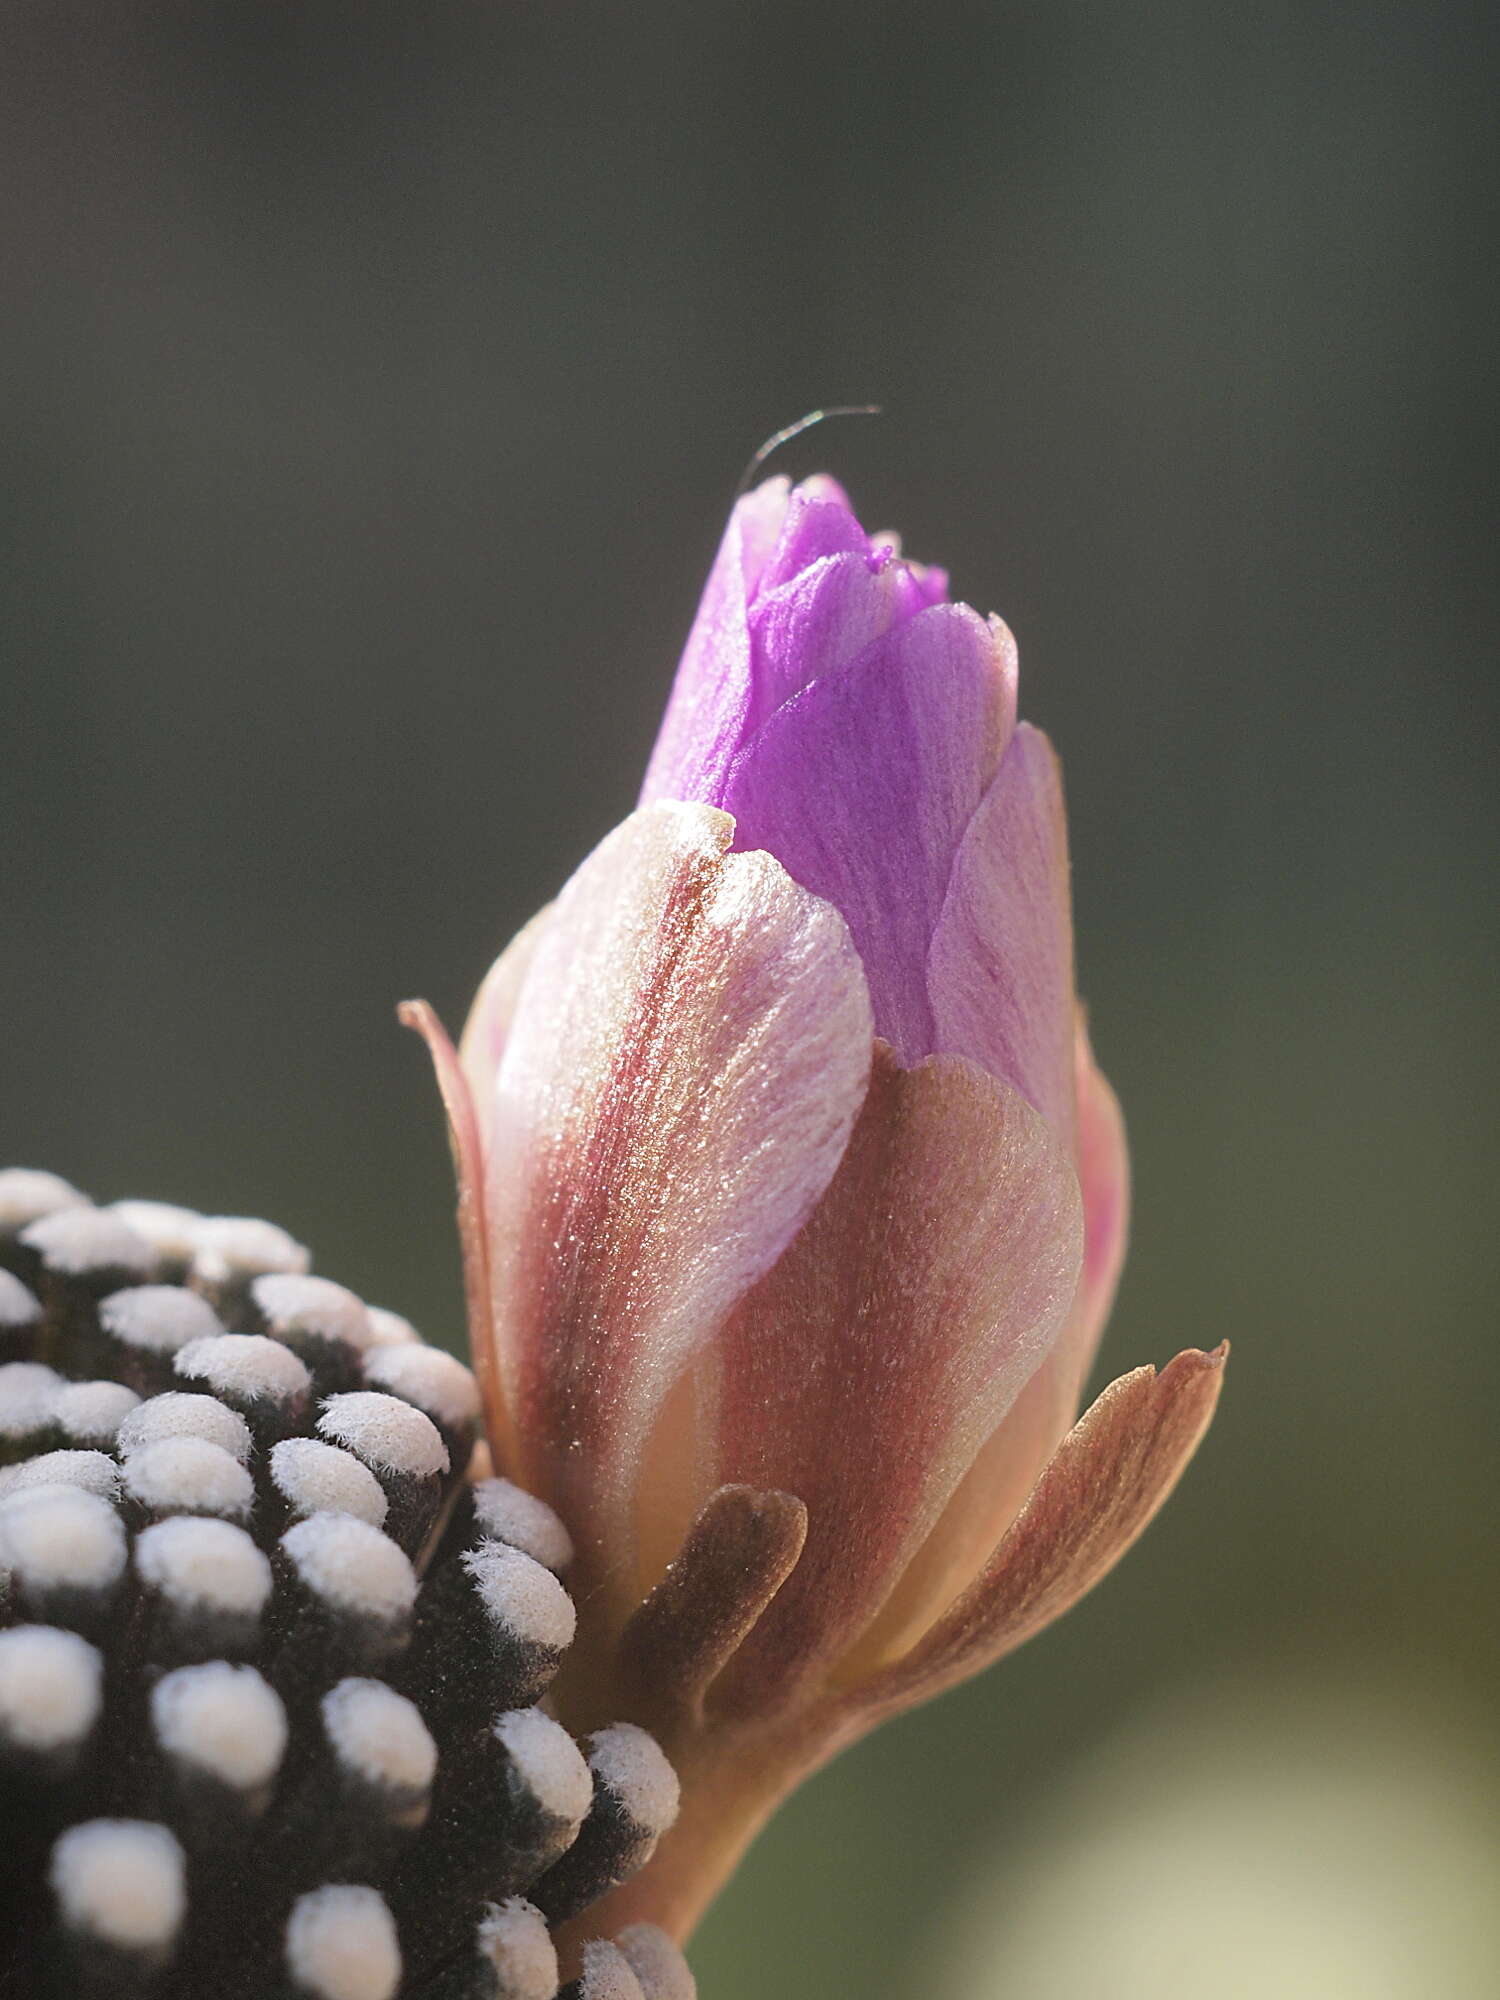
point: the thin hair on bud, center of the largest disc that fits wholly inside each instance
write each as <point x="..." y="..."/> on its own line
<point x="802" y="424"/>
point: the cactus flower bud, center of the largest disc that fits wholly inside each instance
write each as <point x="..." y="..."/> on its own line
<point x="791" y="1197"/>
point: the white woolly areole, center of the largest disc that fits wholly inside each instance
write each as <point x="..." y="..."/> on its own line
<point x="49" y="1687"/>
<point x="204" y="1565"/>
<point x="222" y="1719"/>
<point x="657" y="1963"/>
<point x="548" y="1762"/>
<point x="227" y="1249"/>
<point x="246" y="1365"/>
<point x="28" y="1391"/>
<point x="514" y="1937"/>
<point x="518" y="1593"/>
<point x="317" y="1478"/>
<point x="389" y="1329"/>
<point x="380" y="1735"/>
<point x="179" y="1414"/>
<point x="189" y="1475"/>
<point x="27" y="1194"/>
<point x="73" y="1240"/>
<point x="121" y="1880"/>
<point x="171" y="1231"/>
<point x="293" y="1303"/>
<point x="511" y="1514"/>
<point x="93" y="1471"/>
<point x="634" y="1767"/>
<point x="19" y="1305"/>
<point x="436" y="1382"/>
<point x="607" y="1974"/>
<point x="92" y="1412"/>
<point x="389" y="1434"/>
<point x="61" y="1537"/>
<point x="351" y="1565"/>
<point x="341" y="1945"/>
<point x="159" y="1318"/>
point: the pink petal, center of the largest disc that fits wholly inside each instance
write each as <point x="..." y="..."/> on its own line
<point x="1000" y="971"/>
<point x="865" y="1370"/>
<point x="996" y="1486"/>
<point x="862" y="787"/>
<point x="483" y="1040"/>
<point x="1104" y="1173"/>
<point x="1100" y="1491"/>
<point x="685" y="1063"/>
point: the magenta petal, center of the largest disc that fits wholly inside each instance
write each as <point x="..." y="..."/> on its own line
<point x="914" y="730"/>
<point x="818" y="622"/>
<point x="920" y="585"/>
<point x="1001" y="968"/>
<point x="818" y="522"/>
<point x="706" y="714"/>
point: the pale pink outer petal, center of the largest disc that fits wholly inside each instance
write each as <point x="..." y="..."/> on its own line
<point x="1100" y="1491"/>
<point x="1000" y="968"/>
<point x="996" y="1486"/>
<point x="482" y="1042"/>
<point x="865" y="1370"/>
<point x="686" y="1060"/>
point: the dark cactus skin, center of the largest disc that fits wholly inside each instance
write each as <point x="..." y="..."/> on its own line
<point x="249" y="1852"/>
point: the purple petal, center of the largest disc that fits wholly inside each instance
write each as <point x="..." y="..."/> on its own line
<point x="818" y="622"/>
<point x="706" y="713"/>
<point x="819" y="522"/>
<point x="862" y="787"/>
<point x="921" y="584"/>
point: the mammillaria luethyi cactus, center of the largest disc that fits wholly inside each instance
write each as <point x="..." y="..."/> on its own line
<point x="270" y="1667"/>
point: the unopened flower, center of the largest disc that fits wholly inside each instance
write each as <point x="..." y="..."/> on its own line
<point x="792" y="1200"/>
<point x="270" y="1669"/>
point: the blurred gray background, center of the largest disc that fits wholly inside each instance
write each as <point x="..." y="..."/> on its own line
<point x="375" y="379"/>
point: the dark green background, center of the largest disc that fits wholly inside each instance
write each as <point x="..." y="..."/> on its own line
<point x="374" y="382"/>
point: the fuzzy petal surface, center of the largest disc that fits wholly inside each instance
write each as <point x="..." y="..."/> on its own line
<point x="482" y="1043"/>
<point x="865" y="1370"/>
<point x="996" y="1486"/>
<point x="687" y="1055"/>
